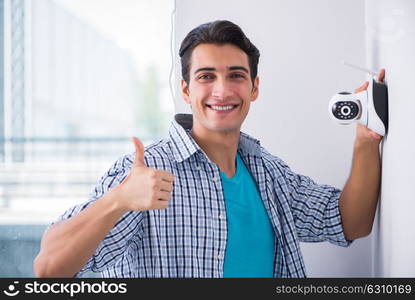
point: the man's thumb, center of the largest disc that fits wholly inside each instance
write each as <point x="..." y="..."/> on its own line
<point x="139" y="152"/>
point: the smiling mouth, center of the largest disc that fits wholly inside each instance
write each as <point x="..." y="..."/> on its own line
<point x="222" y="107"/>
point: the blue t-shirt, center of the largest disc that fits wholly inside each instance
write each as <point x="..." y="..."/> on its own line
<point x="250" y="246"/>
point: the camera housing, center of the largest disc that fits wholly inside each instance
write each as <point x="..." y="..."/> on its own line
<point x="368" y="107"/>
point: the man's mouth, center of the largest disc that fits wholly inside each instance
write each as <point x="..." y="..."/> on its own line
<point x="221" y="108"/>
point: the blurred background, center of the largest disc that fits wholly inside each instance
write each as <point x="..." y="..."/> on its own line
<point x="79" y="78"/>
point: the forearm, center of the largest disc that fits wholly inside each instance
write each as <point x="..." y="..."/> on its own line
<point x="68" y="245"/>
<point x="359" y="197"/>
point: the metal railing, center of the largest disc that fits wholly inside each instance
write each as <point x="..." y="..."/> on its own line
<point x="56" y="167"/>
<point x="64" y="149"/>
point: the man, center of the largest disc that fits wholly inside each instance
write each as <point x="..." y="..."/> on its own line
<point x="209" y="201"/>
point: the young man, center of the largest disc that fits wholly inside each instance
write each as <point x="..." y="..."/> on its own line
<point x="209" y="201"/>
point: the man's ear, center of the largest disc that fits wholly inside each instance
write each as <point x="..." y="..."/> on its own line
<point x="185" y="91"/>
<point x="255" y="90"/>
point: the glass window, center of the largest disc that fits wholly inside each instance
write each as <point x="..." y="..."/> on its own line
<point x="80" y="78"/>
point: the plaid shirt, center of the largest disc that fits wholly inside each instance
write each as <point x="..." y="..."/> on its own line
<point x="188" y="239"/>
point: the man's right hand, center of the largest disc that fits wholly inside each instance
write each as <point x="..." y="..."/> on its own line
<point x="144" y="188"/>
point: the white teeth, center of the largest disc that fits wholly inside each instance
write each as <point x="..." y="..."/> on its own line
<point x="228" y="107"/>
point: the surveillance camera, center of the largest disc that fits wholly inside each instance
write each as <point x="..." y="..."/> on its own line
<point x="368" y="107"/>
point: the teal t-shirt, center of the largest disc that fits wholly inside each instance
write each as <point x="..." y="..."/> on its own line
<point x="250" y="246"/>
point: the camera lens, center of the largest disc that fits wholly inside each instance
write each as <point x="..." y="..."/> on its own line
<point x="345" y="110"/>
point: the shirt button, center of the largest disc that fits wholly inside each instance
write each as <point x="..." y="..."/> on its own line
<point x="198" y="167"/>
<point x="222" y="217"/>
<point x="220" y="256"/>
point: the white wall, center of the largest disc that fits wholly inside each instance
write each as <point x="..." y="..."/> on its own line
<point x="391" y="44"/>
<point x="302" y="43"/>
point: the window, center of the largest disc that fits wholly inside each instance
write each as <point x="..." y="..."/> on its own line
<point x="80" y="77"/>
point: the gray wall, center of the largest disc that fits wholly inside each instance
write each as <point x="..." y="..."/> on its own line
<point x="302" y="44"/>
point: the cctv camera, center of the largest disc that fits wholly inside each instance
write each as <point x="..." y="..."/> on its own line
<point x="368" y="107"/>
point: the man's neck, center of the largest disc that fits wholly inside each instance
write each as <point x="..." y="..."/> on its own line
<point x="220" y="147"/>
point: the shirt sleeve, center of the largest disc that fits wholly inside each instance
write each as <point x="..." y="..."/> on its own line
<point x="315" y="208"/>
<point x="115" y="243"/>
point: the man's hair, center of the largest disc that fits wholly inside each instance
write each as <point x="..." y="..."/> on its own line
<point x="218" y="32"/>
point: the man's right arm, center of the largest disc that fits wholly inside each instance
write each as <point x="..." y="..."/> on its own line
<point x="67" y="245"/>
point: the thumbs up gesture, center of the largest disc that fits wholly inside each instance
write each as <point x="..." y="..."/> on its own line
<point x="144" y="188"/>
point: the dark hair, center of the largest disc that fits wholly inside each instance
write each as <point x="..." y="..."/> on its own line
<point x="218" y="32"/>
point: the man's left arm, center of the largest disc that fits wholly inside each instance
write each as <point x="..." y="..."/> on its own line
<point x="359" y="198"/>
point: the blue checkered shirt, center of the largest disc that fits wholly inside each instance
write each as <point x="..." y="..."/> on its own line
<point x="188" y="239"/>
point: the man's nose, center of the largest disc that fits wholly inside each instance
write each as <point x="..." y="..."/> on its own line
<point x="221" y="90"/>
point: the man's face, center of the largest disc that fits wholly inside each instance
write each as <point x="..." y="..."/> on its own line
<point x="220" y="88"/>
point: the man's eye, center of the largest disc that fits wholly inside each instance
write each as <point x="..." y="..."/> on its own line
<point x="206" y="76"/>
<point x="238" y="75"/>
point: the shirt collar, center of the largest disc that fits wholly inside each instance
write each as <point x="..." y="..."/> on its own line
<point x="185" y="146"/>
